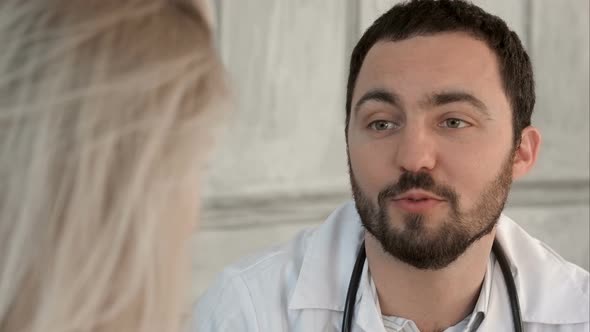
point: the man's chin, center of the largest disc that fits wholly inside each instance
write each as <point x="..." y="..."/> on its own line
<point x="426" y="223"/>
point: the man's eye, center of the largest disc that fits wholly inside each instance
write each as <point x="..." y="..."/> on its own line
<point x="382" y="125"/>
<point x="454" y="123"/>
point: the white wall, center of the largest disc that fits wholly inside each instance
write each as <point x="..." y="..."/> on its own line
<point x="282" y="164"/>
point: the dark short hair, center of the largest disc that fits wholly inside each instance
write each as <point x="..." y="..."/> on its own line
<point x="429" y="17"/>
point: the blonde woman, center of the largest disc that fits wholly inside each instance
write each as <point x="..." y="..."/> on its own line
<point x="105" y="111"/>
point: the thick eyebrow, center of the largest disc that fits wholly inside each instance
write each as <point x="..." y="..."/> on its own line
<point x="444" y="98"/>
<point x="380" y="95"/>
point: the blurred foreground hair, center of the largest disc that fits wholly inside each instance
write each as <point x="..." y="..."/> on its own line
<point x="106" y="109"/>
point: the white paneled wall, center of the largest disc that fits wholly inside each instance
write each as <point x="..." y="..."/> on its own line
<point x="287" y="64"/>
<point x="282" y="163"/>
<point x="559" y="50"/>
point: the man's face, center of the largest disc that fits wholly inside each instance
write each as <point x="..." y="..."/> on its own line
<point x="430" y="146"/>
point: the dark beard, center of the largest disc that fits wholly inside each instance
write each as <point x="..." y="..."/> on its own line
<point x="412" y="244"/>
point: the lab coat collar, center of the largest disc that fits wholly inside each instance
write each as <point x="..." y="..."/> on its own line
<point x="330" y="257"/>
<point x="551" y="290"/>
<point x="328" y="262"/>
<point x="367" y="308"/>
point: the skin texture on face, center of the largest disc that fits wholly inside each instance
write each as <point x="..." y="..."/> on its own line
<point x="430" y="112"/>
<point x="433" y="250"/>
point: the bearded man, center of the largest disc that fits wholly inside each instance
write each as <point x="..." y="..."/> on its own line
<point x="438" y="125"/>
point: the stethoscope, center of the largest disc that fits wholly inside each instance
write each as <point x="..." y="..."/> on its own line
<point x="355" y="279"/>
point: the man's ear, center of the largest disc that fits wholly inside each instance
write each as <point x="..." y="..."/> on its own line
<point x="526" y="153"/>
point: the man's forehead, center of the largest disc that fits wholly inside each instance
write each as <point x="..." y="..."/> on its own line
<point x="443" y="61"/>
<point x="441" y="49"/>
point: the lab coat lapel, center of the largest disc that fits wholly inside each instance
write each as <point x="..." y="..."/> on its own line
<point x="328" y="262"/>
<point x="498" y="316"/>
<point x="368" y="317"/>
<point x="551" y="291"/>
<point x="331" y="257"/>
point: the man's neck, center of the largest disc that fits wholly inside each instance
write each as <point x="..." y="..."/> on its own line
<point x="434" y="300"/>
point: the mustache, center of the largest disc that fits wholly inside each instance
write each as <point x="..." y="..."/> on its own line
<point x="419" y="180"/>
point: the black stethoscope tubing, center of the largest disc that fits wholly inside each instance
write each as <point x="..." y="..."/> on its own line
<point x="355" y="279"/>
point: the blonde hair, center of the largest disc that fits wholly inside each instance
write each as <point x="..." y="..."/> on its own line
<point x="106" y="108"/>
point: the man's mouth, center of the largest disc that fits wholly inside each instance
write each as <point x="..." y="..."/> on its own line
<point x="418" y="195"/>
<point x="417" y="201"/>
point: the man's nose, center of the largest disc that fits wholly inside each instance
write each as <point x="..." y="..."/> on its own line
<point x="416" y="151"/>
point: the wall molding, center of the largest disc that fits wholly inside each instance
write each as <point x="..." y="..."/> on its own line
<point x="266" y="210"/>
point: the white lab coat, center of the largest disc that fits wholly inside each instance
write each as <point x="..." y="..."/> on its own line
<point x="302" y="286"/>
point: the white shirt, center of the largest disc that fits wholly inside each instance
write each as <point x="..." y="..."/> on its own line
<point x="302" y="285"/>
